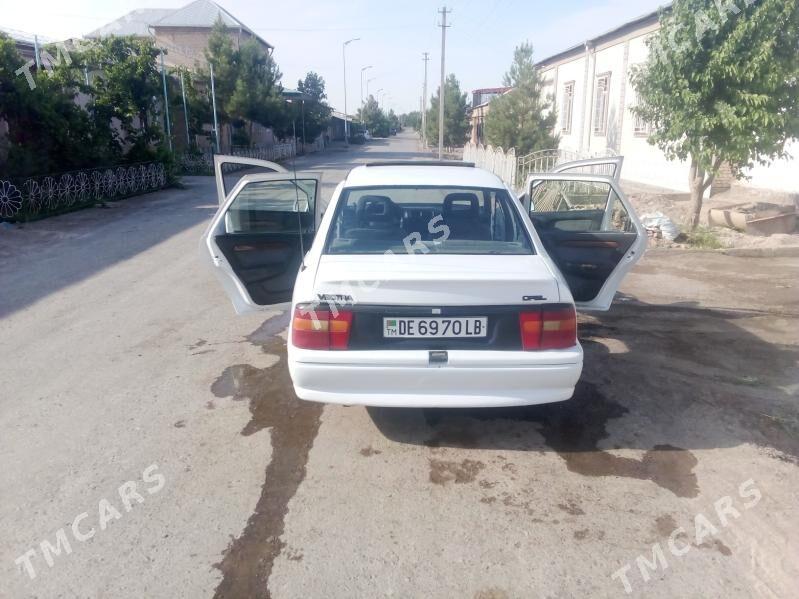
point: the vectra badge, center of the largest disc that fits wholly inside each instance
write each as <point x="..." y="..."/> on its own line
<point x="534" y="298"/>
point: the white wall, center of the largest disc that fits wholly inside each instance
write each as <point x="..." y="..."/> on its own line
<point x="781" y="175"/>
<point x="643" y="162"/>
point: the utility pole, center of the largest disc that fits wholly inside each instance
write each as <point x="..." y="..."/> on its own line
<point x="185" y="111"/>
<point x="344" y="59"/>
<point x="213" y="103"/>
<point x="441" y="94"/>
<point x="426" y="59"/>
<point x="166" y="104"/>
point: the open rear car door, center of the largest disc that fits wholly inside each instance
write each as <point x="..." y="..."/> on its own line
<point x="609" y="166"/>
<point x="589" y="229"/>
<point x="257" y="239"/>
<point x="223" y="164"/>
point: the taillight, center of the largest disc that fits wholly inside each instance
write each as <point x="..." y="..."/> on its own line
<point x="548" y="328"/>
<point x="321" y="329"/>
<point x="530" y="323"/>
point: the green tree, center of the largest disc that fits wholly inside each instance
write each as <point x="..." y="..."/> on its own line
<point x="126" y="94"/>
<point x="317" y="111"/>
<point x="722" y="86"/>
<point x="523" y="118"/>
<point x="47" y="130"/>
<point x="456" y="119"/>
<point x="373" y="118"/>
<point x="221" y="54"/>
<point x="412" y="119"/>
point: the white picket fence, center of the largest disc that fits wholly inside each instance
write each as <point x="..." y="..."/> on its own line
<point x="514" y="171"/>
<point x="496" y="160"/>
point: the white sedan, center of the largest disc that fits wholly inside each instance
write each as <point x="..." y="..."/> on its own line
<point x="427" y="284"/>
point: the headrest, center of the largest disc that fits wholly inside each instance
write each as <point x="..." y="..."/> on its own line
<point x="461" y="203"/>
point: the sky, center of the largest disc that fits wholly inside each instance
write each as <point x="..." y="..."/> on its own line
<point x="308" y="36"/>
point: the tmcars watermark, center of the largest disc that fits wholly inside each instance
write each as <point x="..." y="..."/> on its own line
<point x="349" y="295"/>
<point x="703" y="529"/>
<point x="704" y="22"/>
<point x="82" y="531"/>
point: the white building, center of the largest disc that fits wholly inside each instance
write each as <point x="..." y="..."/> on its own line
<point x="593" y="96"/>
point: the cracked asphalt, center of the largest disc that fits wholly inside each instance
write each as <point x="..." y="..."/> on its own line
<point x="672" y="472"/>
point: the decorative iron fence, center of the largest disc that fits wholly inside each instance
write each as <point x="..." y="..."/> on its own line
<point x="50" y="194"/>
<point x="202" y="163"/>
<point x="544" y="161"/>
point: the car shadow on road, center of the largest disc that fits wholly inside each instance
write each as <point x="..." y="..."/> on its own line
<point x="43" y="257"/>
<point x="661" y="379"/>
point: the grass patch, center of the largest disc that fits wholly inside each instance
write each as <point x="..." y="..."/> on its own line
<point x="703" y="238"/>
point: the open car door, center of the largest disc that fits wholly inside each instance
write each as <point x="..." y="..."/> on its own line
<point x="257" y="239"/>
<point x="590" y="231"/>
<point x="221" y="162"/>
<point x="609" y="166"/>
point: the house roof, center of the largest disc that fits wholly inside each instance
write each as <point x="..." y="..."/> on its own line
<point x="136" y="22"/>
<point x="491" y="90"/>
<point x="200" y="13"/>
<point x="23" y="37"/>
<point x="643" y="20"/>
<point x="204" y="13"/>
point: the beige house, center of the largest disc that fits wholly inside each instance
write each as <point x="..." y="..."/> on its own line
<point x="182" y="33"/>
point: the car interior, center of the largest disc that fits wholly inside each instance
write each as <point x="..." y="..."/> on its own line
<point x="585" y="229"/>
<point x="375" y="222"/>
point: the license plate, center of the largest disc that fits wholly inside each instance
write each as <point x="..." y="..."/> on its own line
<point x="435" y="328"/>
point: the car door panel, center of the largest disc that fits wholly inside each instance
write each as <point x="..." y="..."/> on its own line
<point x="224" y="163"/>
<point x="589" y="230"/>
<point x="258" y="237"/>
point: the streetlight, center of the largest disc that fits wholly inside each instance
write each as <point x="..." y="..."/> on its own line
<point x="368" y="81"/>
<point x="344" y="59"/>
<point x="362" y="72"/>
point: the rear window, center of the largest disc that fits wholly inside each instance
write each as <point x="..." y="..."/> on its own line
<point x="422" y="220"/>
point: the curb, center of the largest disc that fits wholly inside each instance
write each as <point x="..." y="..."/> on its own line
<point x="786" y="251"/>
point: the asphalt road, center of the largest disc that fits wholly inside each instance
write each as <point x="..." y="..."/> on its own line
<point x="157" y="434"/>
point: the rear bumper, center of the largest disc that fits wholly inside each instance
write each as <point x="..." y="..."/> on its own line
<point x="405" y="378"/>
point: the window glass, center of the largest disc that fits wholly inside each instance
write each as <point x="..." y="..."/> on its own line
<point x="601" y="104"/>
<point x="272" y="206"/>
<point x="579" y="206"/>
<point x="568" y="107"/>
<point x="422" y="220"/>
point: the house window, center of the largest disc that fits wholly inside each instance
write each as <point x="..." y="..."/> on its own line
<point x="640" y="127"/>
<point x="601" y="104"/>
<point x="567" y="108"/>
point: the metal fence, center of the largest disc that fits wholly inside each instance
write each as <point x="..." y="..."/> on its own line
<point x="546" y="160"/>
<point x="50" y="194"/>
<point x="202" y="163"/>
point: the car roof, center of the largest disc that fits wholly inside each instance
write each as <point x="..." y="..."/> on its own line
<point x="385" y="175"/>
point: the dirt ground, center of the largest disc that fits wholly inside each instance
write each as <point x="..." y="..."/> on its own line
<point x="648" y="200"/>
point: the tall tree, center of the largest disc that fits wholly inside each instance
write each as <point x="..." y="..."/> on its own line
<point x="523" y="118"/>
<point x="722" y="86"/>
<point x="221" y="54"/>
<point x="317" y="111"/>
<point x="456" y="119"/>
<point x="127" y="91"/>
<point x="373" y="118"/>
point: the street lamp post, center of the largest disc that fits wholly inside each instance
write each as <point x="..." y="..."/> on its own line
<point x="364" y="69"/>
<point x="344" y="60"/>
<point x="368" y="81"/>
